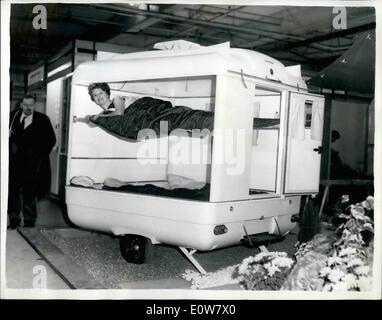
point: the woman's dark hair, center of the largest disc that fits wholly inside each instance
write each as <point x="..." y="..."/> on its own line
<point x="102" y="85"/>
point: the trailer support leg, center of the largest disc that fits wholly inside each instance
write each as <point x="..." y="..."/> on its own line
<point x="326" y="192"/>
<point x="189" y="256"/>
<point x="263" y="249"/>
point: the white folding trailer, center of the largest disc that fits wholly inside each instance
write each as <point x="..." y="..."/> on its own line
<point x="256" y="175"/>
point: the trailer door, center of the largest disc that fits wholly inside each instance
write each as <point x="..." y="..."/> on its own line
<point x="303" y="143"/>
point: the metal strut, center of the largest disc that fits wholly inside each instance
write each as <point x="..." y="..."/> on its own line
<point x="189" y="256"/>
<point x="263" y="249"/>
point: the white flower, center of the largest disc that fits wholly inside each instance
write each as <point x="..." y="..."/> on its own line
<point x="334" y="260"/>
<point x="192" y="276"/>
<point x="358" y="213"/>
<point x="282" y="262"/>
<point x="266" y="265"/>
<point x="243" y="269"/>
<point x="354" y="237"/>
<point x="272" y="269"/>
<point x="370" y="199"/>
<point x="221" y="277"/>
<point x="260" y="256"/>
<point x="355" y="262"/>
<point x="368" y="226"/>
<point x="325" y="271"/>
<point x="327" y="287"/>
<point x="347" y="251"/>
<point x="350" y="280"/>
<point x="362" y="270"/>
<point x="336" y="275"/>
<point x="244" y="266"/>
<point x="345" y="198"/>
<point x="248" y="260"/>
<point x="365" y="204"/>
<point x="345" y="234"/>
<point x="280" y="254"/>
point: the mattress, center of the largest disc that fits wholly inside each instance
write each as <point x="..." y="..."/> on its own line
<point x="176" y="187"/>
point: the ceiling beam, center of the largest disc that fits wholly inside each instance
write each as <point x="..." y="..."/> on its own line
<point x="236" y="17"/>
<point x="142" y="25"/>
<point x="333" y="35"/>
<point x="103" y="32"/>
<point x="194" y="22"/>
<point x="65" y="19"/>
<point x="193" y="28"/>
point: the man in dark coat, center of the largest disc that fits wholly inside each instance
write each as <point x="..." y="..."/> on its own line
<point x="31" y="139"/>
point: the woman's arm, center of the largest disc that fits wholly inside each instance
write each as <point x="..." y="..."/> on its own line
<point x="86" y="120"/>
<point x="119" y="104"/>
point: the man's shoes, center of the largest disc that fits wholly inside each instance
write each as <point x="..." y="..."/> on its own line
<point x="13" y="225"/>
<point x="28" y="224"/>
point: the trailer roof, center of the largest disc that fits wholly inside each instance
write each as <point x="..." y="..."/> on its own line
<point x="177" y="63"/>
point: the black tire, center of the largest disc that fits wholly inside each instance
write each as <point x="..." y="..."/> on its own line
<point x="135" y="248"/>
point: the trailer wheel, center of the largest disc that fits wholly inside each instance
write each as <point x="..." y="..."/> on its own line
<point x="135" y="248"/>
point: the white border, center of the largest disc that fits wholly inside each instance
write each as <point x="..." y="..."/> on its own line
<point x="187" y="294"/>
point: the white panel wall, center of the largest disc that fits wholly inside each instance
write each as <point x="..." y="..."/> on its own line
<point x="104" y="55"/>
<point x="170" y="88"/>
<point x="98" y="154"/>
<point x="230" y="172"/>
<point x="95" y="142"/>
<point x="264" y="161"/>
<point x="54" y="100"/>
<point x="190" y="157"/>
<point x="121" y="169"/>
<point x="264" y="149"/>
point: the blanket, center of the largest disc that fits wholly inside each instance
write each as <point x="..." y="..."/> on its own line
<point x="147" y="113"/>
<point x="176" y="187"/>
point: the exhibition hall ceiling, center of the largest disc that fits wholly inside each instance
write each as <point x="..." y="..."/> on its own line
<point x="311" y="36"/>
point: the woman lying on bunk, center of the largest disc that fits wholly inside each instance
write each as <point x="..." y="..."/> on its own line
<point x="126" y="117"/>
<point x="100" y="94"/>
<point x="148" y="113"/>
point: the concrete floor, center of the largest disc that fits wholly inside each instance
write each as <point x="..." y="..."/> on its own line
<point x="24" y="267"/>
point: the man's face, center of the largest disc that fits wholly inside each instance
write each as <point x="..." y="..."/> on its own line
<point x="28" y="106"/>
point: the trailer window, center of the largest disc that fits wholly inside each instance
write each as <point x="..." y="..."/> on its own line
<point x="308" y="114"/>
